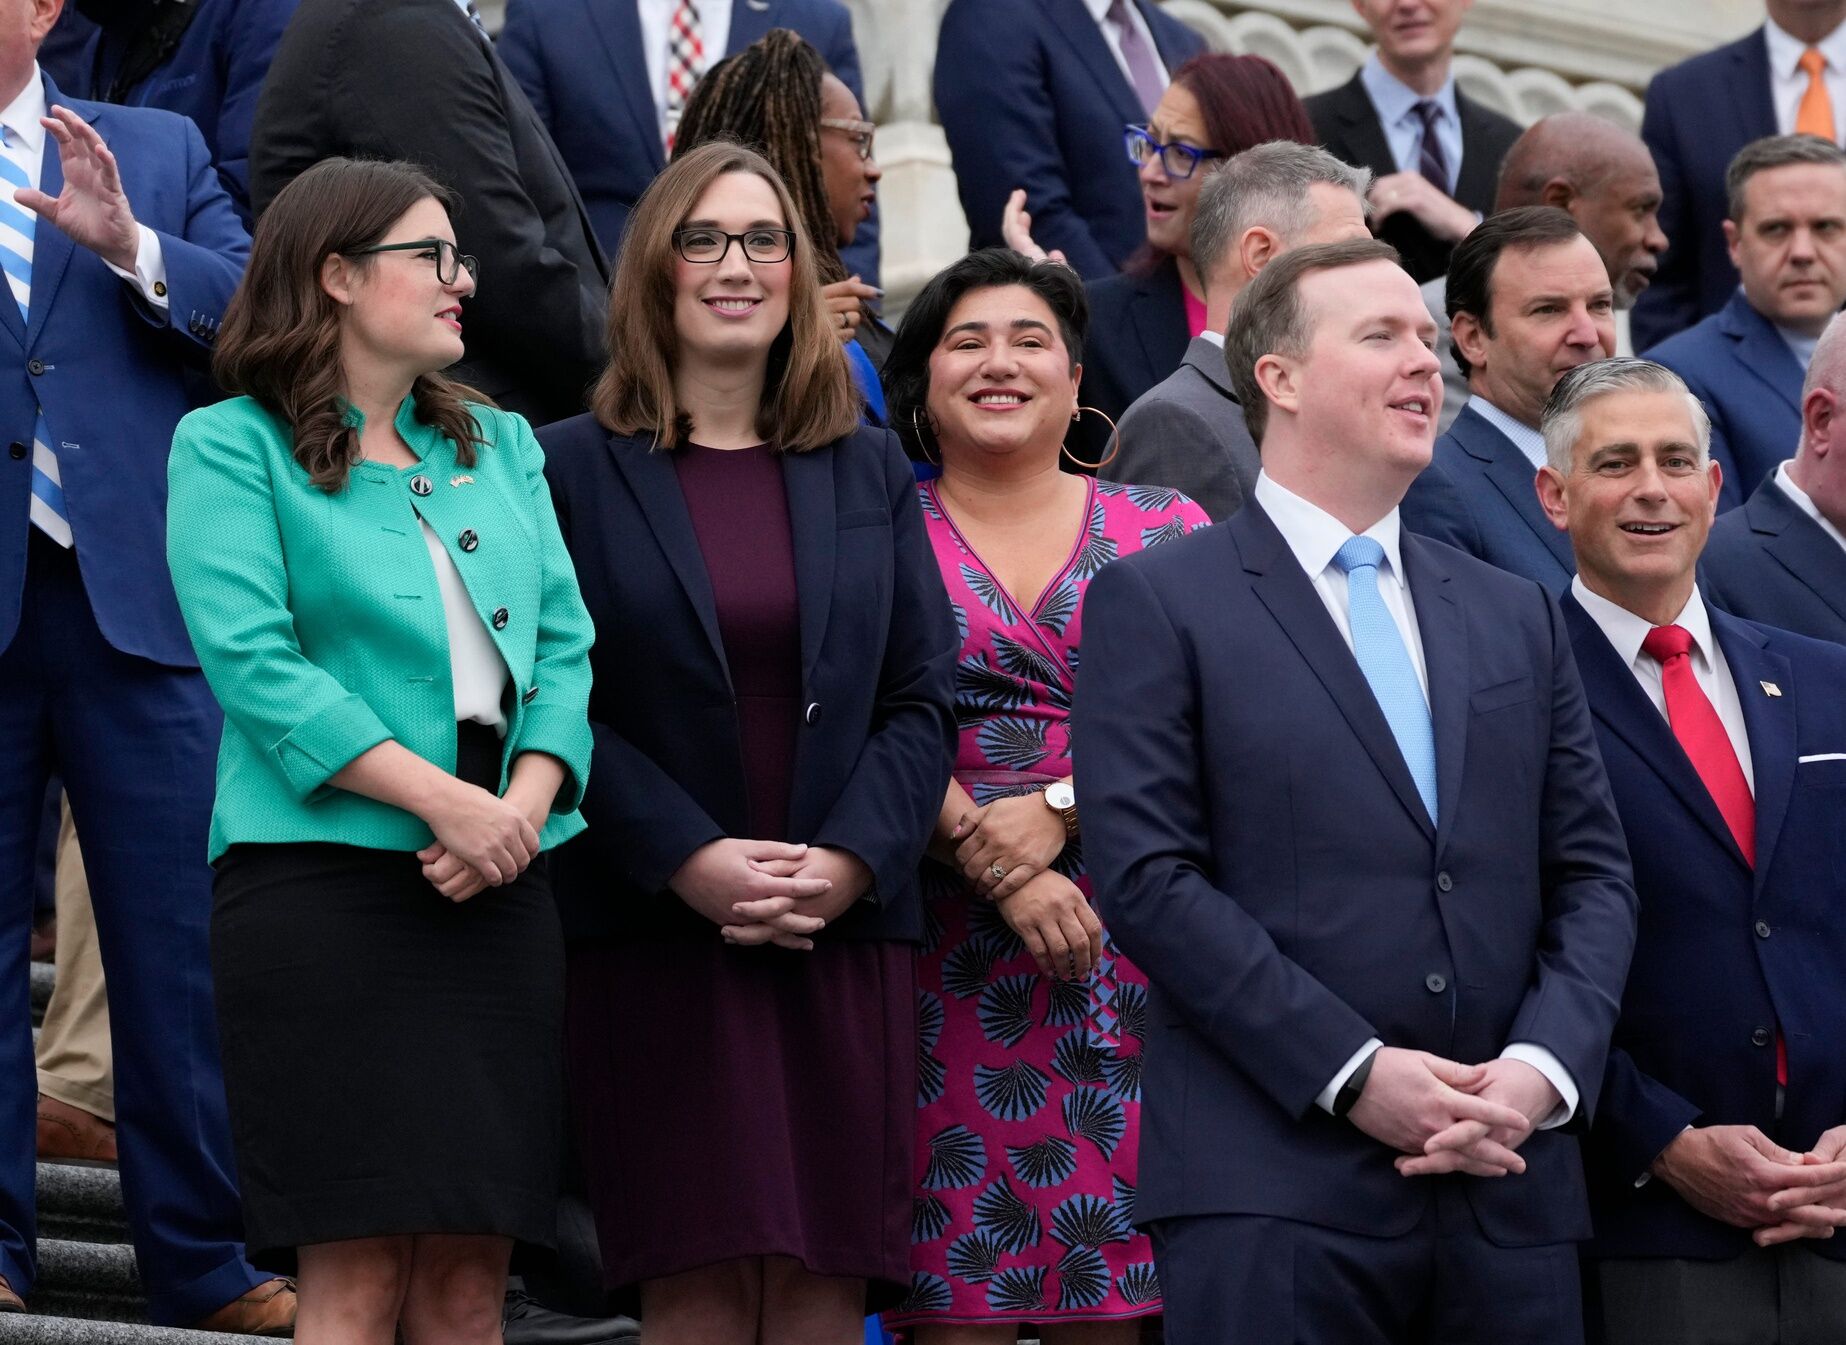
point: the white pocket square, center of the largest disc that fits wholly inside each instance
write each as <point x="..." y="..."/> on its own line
<point x="1821" y="756"/>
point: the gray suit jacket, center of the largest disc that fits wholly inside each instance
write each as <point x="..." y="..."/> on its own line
<point x="1187" y="433"/>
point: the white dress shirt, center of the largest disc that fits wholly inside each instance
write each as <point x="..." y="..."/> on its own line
<point x="1786" y="484"/>
<point x="1799" y="344"/>
<point x="475" y="665"/>
<point x="22" y="139"/>
<point x="1526" y="439"/>
<point x="1788" y="82"/>
<point x="1314" y="535"/>
<point x="656" y="19"/>
<point x="1216" y="338"/>
<point x="1626" y="631"/>
<point x="1112" y="34"/>
<point x="1395" y="102"/>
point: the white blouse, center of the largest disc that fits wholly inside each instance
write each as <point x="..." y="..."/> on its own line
<point x="479" y="673"/>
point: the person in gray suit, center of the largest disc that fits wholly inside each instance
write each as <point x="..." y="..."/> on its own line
<point x="1187" y="432"/>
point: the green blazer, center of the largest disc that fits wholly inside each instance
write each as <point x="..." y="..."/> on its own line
<point x="319" y="624"/>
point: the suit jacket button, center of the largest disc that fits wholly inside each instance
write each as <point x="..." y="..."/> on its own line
<point x="813" y="714"/>
<point x="1761" y="1037"/>
<point x="1444" y="882"/>
<point x="1435" y="983"/>
<point x="500" y="618"/>
<point x="530" y="696"/>
<point x="420" y="485"/>
<point x="467" y="541"/>
<point x="1762" y="929"/>
<point x="16" y="450"/>
<point x="35" y="367"/>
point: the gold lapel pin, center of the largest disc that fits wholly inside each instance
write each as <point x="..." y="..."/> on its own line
<point x="1770" y="688"/>
<point x="463" y="480"/>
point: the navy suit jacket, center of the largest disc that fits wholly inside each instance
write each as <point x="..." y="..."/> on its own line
<point x="1699" y="113"/>
<point x="581" y="64"/>
<point x="1260" y="851"/>
<point x="1738" y="365"/>
<point x="878" y="651"/>
<point x="1031" y="96"/>
<point x="1137" y="338"/>
<point x="111" y="374"/>
<point x="1763" y="946"/>
<point x="1770" y="562"/>
<point x="1477" y="494"/>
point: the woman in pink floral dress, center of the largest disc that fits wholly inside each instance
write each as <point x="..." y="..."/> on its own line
<point x="1031" y="1022"/>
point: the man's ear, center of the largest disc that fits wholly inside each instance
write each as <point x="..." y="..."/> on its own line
<point x="1551" y="498"/>
<point x="1557" y="192"/>
<point x="1256" y="248"/>
<point x="1470" y="336"/>
<point x="1732" y="235"/>
<point x="1280" y="381"/>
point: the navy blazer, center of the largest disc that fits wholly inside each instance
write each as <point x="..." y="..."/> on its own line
<point x="1261" y="852"/>
<point x="1770" y="562"/>
<point x="878" y="651"/>
<point x="1137" y="337"/>
<point x="112" y="375"/>
<point x="1030" y="95"/>
<point x="1738" y="365"/>
<point x="1698" y="114"/>
<point x="1478" y="494"/>
<point x="582" y="65"/>
<point x="1763" y="946"/>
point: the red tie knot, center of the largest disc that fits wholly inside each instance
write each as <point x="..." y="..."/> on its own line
<point x="1667" y="642"/>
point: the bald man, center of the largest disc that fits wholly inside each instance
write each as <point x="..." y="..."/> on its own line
<point x="1604" y="177"/>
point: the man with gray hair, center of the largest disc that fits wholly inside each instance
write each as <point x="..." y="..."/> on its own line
<point x="1787" y="237"/>
<point x="1187" y="432"/>
<point x="1715" y="1160"/>
<point x="1781" y="558"/>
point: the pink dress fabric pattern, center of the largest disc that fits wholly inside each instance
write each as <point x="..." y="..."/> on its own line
<point x="1028" y="1089"/>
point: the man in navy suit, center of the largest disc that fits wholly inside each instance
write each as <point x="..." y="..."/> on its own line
<point x="117" y="284"/>
<point x="1342" y="799"/>
<point x="1787" y="236"/>
<point x="596" y="72"/>
<point x="1716" y="1161"/>
<point x="1781" y="558"/>
<point x="1036" y="95"/>
<point x="1529" y="298"/>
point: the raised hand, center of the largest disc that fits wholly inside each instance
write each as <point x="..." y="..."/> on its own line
<point x="92" y="207"/>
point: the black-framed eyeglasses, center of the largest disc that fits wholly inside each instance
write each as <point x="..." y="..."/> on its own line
<point x="709" y="246"/>
<point x="1176" y="160"/>
<point x="449" y="262"/>
<point x="861" y="132"/>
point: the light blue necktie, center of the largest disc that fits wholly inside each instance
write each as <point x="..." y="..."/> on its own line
<point x="18" y="226"/>
<point x="1378" y="644"/>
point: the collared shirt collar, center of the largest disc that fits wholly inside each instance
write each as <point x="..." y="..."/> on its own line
<point x="1314" y="535"/>
<point x="1526" y="439"/>
<point x="1099" y="9"/>
<point x="21" y="116"/>
<point x="1216" y="338"/>
<point x="1785" y="49"/>
<point x="1626" y="631"/>
<point x="1799" y="344"/>
<point x="1805" y="503"/>
<point x="419" y="437"/>
<point x="1393" y="99"/>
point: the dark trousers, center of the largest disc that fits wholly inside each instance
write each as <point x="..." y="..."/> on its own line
<point x="1768" y="1296"/>
<point x="1246" y="1277"/>
<point x="136" y="744"/>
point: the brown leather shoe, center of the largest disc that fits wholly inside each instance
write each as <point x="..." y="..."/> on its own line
<point x="267" y="1310"/>
<point x="68" y="1134"/>
<point x="10" y="1301"/>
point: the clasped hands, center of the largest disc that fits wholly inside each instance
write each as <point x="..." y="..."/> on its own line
<point x="1020" y="837"/>
<point x="1443" y="1116"/>
<point x="760" y="892"/>
<point x="484" y="840"/>
<point x="1740" y="1176"/>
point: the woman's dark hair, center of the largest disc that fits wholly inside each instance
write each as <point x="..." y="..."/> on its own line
<point x="1243" y="101"/>
<point x="906" y="369"/>
<point x="767" y="97"/>
<point x="280" y="342"/>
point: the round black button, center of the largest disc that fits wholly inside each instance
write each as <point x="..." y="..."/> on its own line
<point x="1761" y="1037"/>
<point x="813" y="714"/>
<point x="16" y="450"/>
<point x="35" y="367"/>
<point x="1435" y="983"/>
<point x="500" y="618"/>
<point x="1762" y="929"/>
<point x="468" y="541"/>
<point x="420" y="485"/>
<point x="1444" y="882"/>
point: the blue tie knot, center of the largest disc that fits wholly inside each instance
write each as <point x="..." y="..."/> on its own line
<point x="1359" y="553"/>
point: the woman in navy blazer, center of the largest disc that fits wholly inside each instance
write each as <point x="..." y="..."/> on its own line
<point x="772" y="725"/>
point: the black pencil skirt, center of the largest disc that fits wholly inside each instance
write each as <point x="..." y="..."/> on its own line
<point x="392" y="1060"/>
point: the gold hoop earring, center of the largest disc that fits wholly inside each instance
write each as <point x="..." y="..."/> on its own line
<point x="1115" y="443"/>
<point x="922" y="442"/>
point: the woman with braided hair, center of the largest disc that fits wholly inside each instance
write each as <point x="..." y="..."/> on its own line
<point x="778" y="97"/>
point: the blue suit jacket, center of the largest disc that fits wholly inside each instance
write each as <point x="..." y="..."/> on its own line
<point x="581" y="64"/>
<point x="1477" y="494"/>
<point x="1762" y="946"/>
<point x="1699" y="113"/>
<point x="1031" y="96"/>
<point x="212" y="76"/>
<point x="1260" y="851"/>
<point x="1770" y="562"/>
<point x="110" y="373"/>
<point x="878" y="651"/>
<point x="1739" y="366"/>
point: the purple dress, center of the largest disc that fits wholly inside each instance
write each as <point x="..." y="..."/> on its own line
<point x="744" y="1102"/>
<point x="1029" y="1089"/>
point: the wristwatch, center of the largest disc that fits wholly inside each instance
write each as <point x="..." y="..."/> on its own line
<point x="1348" y="1096"/>
<point x="1061" y="798"/>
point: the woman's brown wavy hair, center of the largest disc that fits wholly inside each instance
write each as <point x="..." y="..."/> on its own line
<point x="808" y="396"/>
<point x="280" y="342"/>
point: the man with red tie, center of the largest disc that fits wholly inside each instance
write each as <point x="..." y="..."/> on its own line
<point x="1716" y="1162"/>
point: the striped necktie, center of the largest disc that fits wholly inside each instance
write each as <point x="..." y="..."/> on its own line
<point x="18" y="226"/>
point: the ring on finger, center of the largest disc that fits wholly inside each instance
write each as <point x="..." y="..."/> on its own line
<point x="997" y="871"/>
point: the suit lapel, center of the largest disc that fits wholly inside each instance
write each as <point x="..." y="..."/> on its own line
<point x="808" y="478"/>
<point x="1477" y="181"/>
<point x="1366" y="142"/>
<point x="1208" y="358"/>
<point x="1511" y="474"/>
<point x="1290" y="596"/>
<point x="1172" y="56"/>
<point x="1073" y="22"/>
<point x="1768" y="721"/>
<point x="51" y="246"/>
<point x="1798" y="545"/>
<point x="618" y="27"/>
<point x="1444" y="632"/>
<point x="1150" y="313"/>
<point x="1760" y="350"/>
<point x="1755" y="104"/>
<point x="651" y="477"/>
<point x="750" y="20"/>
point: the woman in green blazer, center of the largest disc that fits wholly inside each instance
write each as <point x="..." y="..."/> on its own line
<point x="372" y="574"/>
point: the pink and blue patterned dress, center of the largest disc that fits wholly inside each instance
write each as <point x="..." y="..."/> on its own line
<point x="1029" y="1088"/>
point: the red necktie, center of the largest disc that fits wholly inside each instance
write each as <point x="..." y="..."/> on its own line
<point x="1701" y="733"/>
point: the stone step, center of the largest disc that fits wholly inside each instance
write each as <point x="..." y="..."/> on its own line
<point x="80" y="1204"/>
<point x="44" y="976"/>
<point x="97" y="1281"/>
<point x="32" y="1329"/>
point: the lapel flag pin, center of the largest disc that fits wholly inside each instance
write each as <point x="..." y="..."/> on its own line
<point x="1770" y="688"/>
<point x="466" y="480"/>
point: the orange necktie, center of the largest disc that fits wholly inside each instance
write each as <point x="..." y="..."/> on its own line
<point x="1815" y="115"/>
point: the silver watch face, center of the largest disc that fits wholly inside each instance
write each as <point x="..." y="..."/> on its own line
<point x="1061" y="795"/>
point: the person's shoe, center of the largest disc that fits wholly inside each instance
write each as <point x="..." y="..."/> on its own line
<point x="526" y="1321"/>
<point x="10" y="1301"/>
<point x="267" y="1310"/>
<point x="68" y="1134"/>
